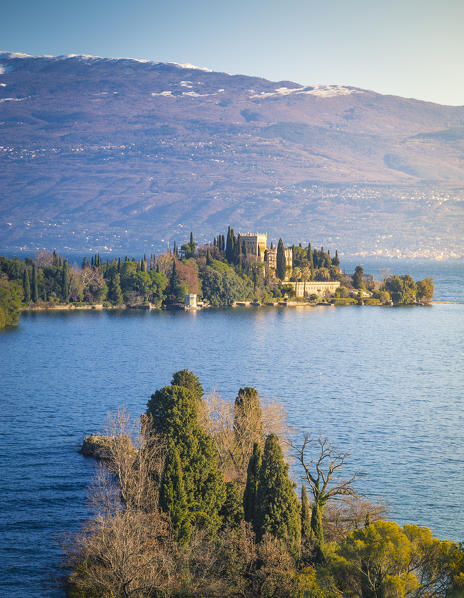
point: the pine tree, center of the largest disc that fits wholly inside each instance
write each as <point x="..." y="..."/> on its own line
<point x="173" y="498"/>
<point x="281" y="265"/>
<point x="250" y="496"/>
<point x="26" y="285"/>
<point x="278" y="510"/>
<point x="35" y="285"/>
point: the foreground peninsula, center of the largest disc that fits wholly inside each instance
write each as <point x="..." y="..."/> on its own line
<point x="197" y="501"/>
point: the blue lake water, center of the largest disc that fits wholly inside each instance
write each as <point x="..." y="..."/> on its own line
<point x="384" y="384"/>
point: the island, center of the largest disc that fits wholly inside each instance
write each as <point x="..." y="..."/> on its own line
<point x="234" y="269"/>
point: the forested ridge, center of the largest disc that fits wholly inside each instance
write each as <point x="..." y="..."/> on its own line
<point x="220" y="273"/>
<point x="197" y="500"/>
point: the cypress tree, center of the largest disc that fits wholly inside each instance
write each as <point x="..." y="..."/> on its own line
<point x="317" y="533"/>
<point x="173" y="498"/>
<point x="230" y="245"/>
<point x="306" y="533"/>
<point x="175" y="410"/>
<point x="174" y="282"/>
<point x="187" y="379"/>
<point x="232" y="509"/>
<point x="278" y="510"/>
<point x="26" y="285"/>
<point x="305" y="515"/>
<point x="65" y="282"/>
<point x="114" y="291"/>
<point x="250" y="495"/>
<point x="35" y="285"/>
<point x="281" y="266"/>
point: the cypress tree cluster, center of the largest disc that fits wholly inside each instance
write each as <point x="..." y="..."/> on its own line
<point x="175" y="411"/>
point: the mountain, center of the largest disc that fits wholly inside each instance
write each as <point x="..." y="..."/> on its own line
<point x="128" y="155"/>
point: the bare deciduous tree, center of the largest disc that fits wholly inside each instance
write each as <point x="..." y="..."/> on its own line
<point x="347" y="514"/>
<point x="322" y="474"/>
<point x="126" y="550"/>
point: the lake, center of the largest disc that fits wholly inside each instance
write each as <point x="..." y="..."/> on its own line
<point x="384" y="384"/>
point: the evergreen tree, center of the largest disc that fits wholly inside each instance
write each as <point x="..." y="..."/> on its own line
<point x="232" y="509"/>
<point x="188" y="379"/>
<point x="35" y="285"/>
<point x="85" y="263"/>
<point x="26" y="285"/>
<point x="114" y="290"/>
<point x="305" y="515"/>
<point x="306" y="532"/>
<point x="230" y="246"/>
<point x="336" y="260"/>
<point x="317" y="532"/>
<point x="65" y="282"/>
<point x="281" y="267"/>
<point x="174" y="288"/>
<point x="278" y="510"/>
<point x="250" y="496"/>
<point x="174" y="410"/>
<point x="309" y="254"/>
<point x="358" y="277"/>
<point x="175" y="251"/>
<point x="173" y="498"/>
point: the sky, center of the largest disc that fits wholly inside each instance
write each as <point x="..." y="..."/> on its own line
<point x="412" y="48"/>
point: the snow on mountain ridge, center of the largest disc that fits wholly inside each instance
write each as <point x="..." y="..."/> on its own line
<point x="326" y="91"/>
<point x="90" y="57"/>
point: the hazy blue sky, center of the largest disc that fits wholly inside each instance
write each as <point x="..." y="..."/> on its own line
<point x="413" y="48"/>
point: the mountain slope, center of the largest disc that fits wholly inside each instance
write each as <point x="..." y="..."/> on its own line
<point x="127" y="155"/>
